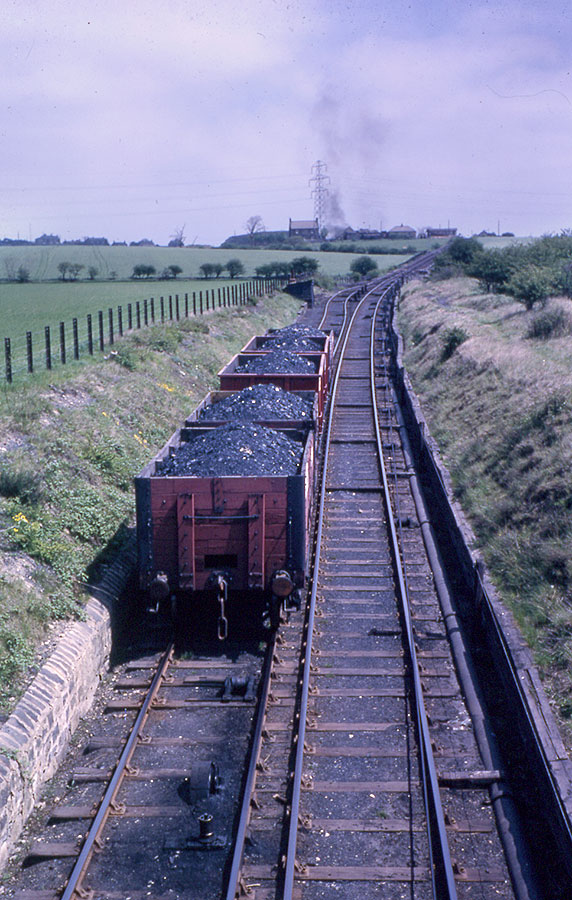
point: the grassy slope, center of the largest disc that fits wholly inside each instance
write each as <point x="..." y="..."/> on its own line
<point x="501" y="412"/>
<point x="69" y="448"/>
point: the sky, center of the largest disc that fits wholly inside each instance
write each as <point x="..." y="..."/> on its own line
<point x="135" y="119"/>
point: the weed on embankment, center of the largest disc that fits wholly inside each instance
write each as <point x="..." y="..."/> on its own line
<point x="500" y="407"/>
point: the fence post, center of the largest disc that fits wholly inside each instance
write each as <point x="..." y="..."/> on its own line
<point x="101" y="338"/>
<point x="162" y="309"/>
<point x="89" y="335"/>
<point x="194" y="304"/>
<point x="219" y="298"/>
<point x="170" y="308"/>
<point x="186" y="306"/>
<point x="48" y="347"/>
<point x="8" y="356"/>
<point x="177" y="311"/>
<point x="138" y="310"/>
<point x="29" y="352"/>
<point x="75" y="339"/>
<point x="111" y="335"/>
<point x="63" y="343"/>
<point x="129" y="316"/>
<point x="120" y="321"/>
<point x="145" y="312"/>
<point x="152" y="304"/>
<point x="201" y="302"/>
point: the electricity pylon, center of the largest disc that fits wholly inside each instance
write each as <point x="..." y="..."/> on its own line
<point x="319" y="183"/>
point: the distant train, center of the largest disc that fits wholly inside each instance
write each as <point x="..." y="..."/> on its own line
<point x="223" y="510"/>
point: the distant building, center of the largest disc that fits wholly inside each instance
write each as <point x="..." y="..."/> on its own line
<point x="362" y="234"/>
<point x="304" y="228"/>
<point x="441" y="232"/>
<point x="402" y="232"/>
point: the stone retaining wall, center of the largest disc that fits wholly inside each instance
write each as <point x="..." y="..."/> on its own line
<point x="35" y="738"/>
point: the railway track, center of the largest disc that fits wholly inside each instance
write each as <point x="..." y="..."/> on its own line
<point x="156" y="787"/>
<point x="343" y="759"/>
<point x="371" y="806"/>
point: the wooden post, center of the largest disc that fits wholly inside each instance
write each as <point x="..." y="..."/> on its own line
<point x="186" y="306"/>
<point x="63" y="343"/>
<point x="8" y="357"/>
<point x="201" y="302"/>
<point x="29" y="352"/>
<point x="177" y="310"/>
<point x="162" y="309"/>
<point x="89" y="335"/>
<point x="111" y="335"/>
<point x="219" y="298"/>
<point x="48" y="347"/>
<point x="146" y="311"/>
<point x="170" y="308"/>
<point x="152" y="305"/>
<point x="129" y="316"/>
<point x="138" y="310"/>
<point x="75" y="339"/>
<point x="101" y="337"/>
<point x="120" y="321"/>
<point x="194" y="304"/>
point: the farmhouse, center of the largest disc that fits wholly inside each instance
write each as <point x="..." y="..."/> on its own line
<point x="404" y="232"/>
<point x="305" y="228"/>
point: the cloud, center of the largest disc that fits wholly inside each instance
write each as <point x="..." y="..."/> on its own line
<point x="138" y="114"/>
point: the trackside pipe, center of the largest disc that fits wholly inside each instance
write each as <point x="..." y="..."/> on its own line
<point x="503" y="804"/>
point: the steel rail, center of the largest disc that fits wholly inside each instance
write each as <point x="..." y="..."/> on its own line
<point x="336" y="296"/>
<point x="384" y="281"/>
<point x="305" y="685"/>
<point x="73" y="887"/>
<point x="240" y="839"/>
<point x="443" y="880"/>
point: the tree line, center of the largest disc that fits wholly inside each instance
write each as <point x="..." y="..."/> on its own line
<point x="528" y="272"/>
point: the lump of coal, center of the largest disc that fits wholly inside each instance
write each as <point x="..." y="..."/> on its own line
<point x="236" y="449"/>
<point x="282" y="361"/>
<point x="259" y="401"/>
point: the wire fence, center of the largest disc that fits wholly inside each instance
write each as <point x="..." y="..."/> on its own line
<point x="58" y="345"/>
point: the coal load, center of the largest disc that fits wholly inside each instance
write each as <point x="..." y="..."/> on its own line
<point x="259" y="401"/>
<point x="278" y="361"/>
<point x="236" y="449"/>
<point x="297" y="338"/>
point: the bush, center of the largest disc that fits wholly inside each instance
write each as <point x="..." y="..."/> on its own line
<point x="553" y="322"/>
<point x="529" y="286"/>
<point x="451" y="339"/>
<point x="24" y="484"/>
<point x="363" y="266"/>
<point x="493" y="269"/>
<point x="464" y="250"/>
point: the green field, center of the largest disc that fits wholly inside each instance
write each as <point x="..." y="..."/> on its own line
<point x="42" y="262"/>
<point x="46" y="301"/>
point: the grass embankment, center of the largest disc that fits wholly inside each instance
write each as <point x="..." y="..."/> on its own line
<point x="499" y="404"/>
<point x="71" y="442"/>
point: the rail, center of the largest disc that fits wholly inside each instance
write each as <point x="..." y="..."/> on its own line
<point x="74" y="886"/>
<point x="441" y="866"/>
